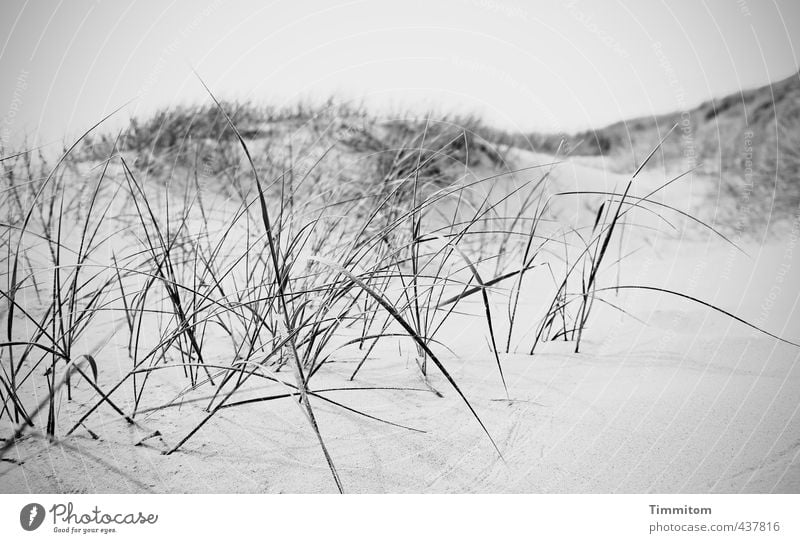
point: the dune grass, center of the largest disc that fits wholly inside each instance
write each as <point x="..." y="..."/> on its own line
<point x="289" y="261"/>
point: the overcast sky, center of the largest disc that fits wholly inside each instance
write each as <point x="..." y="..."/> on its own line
<point x="549" y="65"/>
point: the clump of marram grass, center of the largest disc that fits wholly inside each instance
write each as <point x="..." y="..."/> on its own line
<point x="293" y="268"/>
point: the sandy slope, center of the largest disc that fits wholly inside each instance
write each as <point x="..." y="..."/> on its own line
<point x="672" y="397"/>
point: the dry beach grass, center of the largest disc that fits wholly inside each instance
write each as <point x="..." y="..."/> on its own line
<point x="323" y="289"/>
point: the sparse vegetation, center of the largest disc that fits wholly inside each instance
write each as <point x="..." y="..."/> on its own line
<point x="283" y="239"/>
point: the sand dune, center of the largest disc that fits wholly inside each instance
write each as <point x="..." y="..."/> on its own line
<point x="669" y="396"/>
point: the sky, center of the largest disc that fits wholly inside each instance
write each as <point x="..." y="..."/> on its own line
<point x="553" y="65"/>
